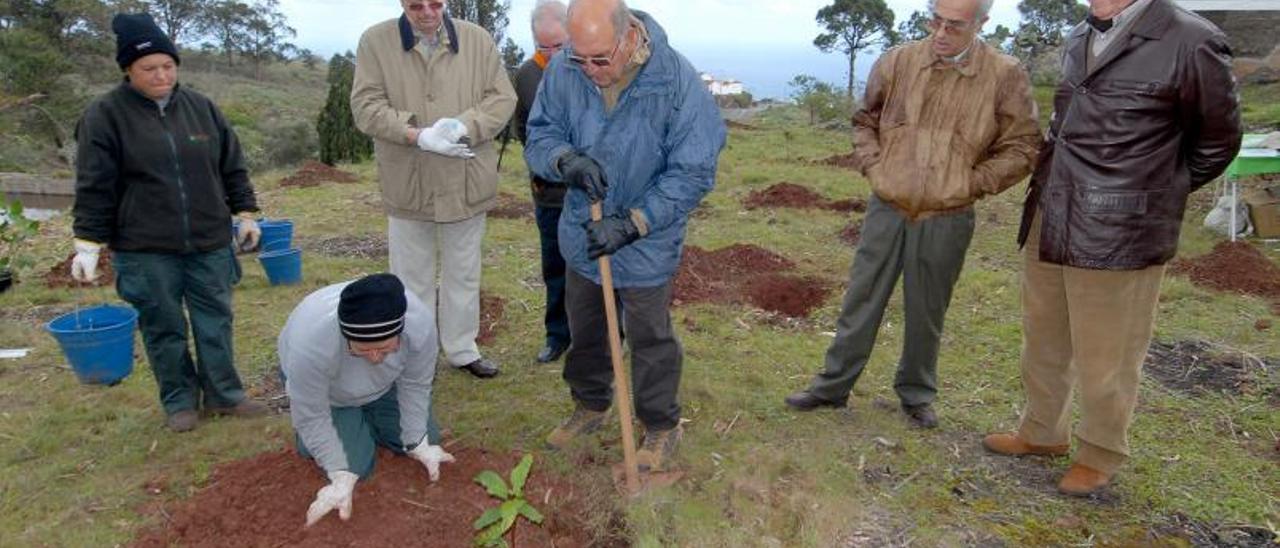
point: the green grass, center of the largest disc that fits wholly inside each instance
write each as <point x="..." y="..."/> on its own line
<point x="74" y="458"/>
<point x="1261" y="106"/>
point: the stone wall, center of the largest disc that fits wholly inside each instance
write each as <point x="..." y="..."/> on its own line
<point x="1255" y="41"/>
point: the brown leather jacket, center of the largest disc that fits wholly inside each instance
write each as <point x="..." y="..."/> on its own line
<point x="1157" y="118"/>
<point x="933" y="138"/>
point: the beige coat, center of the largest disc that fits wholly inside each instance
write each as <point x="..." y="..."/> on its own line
<point x="397" y="86"/>
<point x="933" y="138"/>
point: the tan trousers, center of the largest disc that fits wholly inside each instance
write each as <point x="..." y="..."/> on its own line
<point x="419" y="250"/>
<point x="1085" y="329"/>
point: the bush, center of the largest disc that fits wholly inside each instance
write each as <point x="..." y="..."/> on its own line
<point x="29" y="63"/>
<point x="289" y="143"/>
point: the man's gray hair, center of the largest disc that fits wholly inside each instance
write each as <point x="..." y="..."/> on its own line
<point x="546" y="11"/>
<point x="984" y="8"/>
<point x="621" y="18"/>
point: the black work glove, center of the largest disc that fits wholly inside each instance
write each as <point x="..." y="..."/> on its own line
<point x="582" y="172"/>
<point x="608" y="235"/>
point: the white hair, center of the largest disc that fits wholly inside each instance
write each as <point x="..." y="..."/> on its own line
<point x="546" y="11"/>
<point x="984" y="8"/>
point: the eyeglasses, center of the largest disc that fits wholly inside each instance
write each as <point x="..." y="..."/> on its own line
<point x="949" y="25"/>
<point x="419" y="6"/>
<point x="599" y="61"/>
<point x="549" y="49"/>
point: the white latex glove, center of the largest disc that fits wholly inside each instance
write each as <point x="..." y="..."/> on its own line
<point x="84" y="267"/>
<point x="335" y="495"/>
<point x="430" y="456"/>
<point x="436" y="139"/>
<point x="452" y="129"/>
<point x="249" y="235"/>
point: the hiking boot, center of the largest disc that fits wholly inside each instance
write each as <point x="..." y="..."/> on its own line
<point x="658" y="449"/>
<point x="182" y="421"/>
<point x="1008" y="443"/>
<point x="247" y="408"/>
<point x="583" y="421"/>
<point x="804" y="400"/>
<point x="1082" y="481"/>
<point x="921" y="416"/>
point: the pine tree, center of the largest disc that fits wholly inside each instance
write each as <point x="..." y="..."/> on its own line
<point x="339" y="139"/>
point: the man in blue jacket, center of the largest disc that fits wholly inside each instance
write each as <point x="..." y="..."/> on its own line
<point x="624" y="120"/>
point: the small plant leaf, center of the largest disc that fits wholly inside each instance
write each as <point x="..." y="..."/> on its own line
<point x="510" y="511"/>
<point x="491" y="536"/>
<point x="489" y="517"/>
<point x="519" y="474"/>
<point x="530" y="513"/>
<point x="493" y="483"/>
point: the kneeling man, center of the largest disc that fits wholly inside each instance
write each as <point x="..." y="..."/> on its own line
<point x="358" y="359"/>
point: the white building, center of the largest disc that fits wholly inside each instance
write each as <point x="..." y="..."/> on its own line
<point x="722" y="87"/>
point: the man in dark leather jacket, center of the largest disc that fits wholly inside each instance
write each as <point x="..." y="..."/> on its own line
<point x="1146" y="113"/>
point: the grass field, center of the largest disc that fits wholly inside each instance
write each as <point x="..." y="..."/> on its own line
<point x="74" y="459"/>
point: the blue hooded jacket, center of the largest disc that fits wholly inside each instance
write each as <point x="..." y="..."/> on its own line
<point x="658" y="148"/>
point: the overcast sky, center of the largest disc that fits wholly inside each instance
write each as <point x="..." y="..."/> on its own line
<point x="763" y="43"/>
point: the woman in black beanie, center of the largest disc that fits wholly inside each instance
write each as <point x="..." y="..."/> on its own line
<point x="159" y="173"/>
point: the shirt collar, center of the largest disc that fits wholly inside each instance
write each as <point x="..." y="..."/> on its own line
<point x="1126" y="16"/>
<point x="962" y="62"/>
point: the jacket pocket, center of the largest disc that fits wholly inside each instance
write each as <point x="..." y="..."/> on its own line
<point x="482" y="179"/>
<point x="1117" y="227"/>
<point x="397" y="174"/>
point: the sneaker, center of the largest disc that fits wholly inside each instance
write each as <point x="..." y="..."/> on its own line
<point x="247" y="408"/>
<point x="182" y="421"/>
<point x="658" y="449"/>
<point x="1010" y="444"/>
<point x="582" y="421"/>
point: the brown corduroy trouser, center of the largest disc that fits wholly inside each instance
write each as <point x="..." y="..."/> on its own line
<point x="1087" y="330"/>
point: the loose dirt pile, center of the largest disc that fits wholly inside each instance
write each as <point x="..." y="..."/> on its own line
<point x="262" y="501"/>
<point x="840" y="160"/>
<point x="734" y="124"/>
<point x="1197" y="368"/>
<point x="744" y="273"/>
<point x="59" y="275"/>
<point x="799" y="197"/>
<point x="1237" y="267"/>
<point x="851" y="233"/>
<point x="492" y="309"/>
<point x="511" y="207"/>
<point x="314" y="173"/>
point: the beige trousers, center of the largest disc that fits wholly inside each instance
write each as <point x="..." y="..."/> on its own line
<point x="1087" y="330"/>
<point x="420" y="253"/>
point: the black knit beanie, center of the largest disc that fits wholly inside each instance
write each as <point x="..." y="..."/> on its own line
<point x="138" y="36"/>
<point x="372" y="308"/>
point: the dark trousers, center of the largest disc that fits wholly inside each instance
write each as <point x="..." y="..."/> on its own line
<point x="362" y="429"/>
<point x="556" y="319"/>
<point x="166" y="289"/>
<point x="929" y="255"/>
<point x="656" y="356"/>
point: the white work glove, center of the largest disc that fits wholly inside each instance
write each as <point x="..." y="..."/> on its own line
<point x="249" y="234"/>
<point x="335" y="495"/>
<point x="452" y="129"/>
<point x="436" y="139"/>
<point x="430" y="456"/>
<point x="84" y="267"/>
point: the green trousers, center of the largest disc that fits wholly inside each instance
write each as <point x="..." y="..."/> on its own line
<point x="928" y="255"/>
<point x="362" y="429"/>
<point x="166" y="289"/>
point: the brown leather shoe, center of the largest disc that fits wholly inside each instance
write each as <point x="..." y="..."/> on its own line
<point x="1008" y="443"/>
<point x="247" y="408"/>
<point x="1082" y="481"/>
<point x="182" y="421"/>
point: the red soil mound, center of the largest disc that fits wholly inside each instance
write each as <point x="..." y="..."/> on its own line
<point x="840" y="160"/>
<point x="799" y="197"/>
<point x="851" y="233"/>
<point x="743" y="273"/>
<point x="492" y="309"/>
<point x="59" y="275"/>
<point x="313" y="173"/>
<point x="511" y="207"/>
<point x="1237" y="267"/>
<point x="263" y="500"/>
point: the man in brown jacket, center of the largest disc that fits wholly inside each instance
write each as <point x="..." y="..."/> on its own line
<point x="433" y="94"/>
<point x="1146" y="113"/>
<point x="945" y="121"/>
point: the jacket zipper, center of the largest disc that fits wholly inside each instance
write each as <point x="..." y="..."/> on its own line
<point x="182" y="187"/>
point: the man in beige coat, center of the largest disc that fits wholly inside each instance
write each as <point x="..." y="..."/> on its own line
<point x="433" y="94"/>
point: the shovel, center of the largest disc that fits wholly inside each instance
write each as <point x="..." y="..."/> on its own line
<point x="621" y="381"/>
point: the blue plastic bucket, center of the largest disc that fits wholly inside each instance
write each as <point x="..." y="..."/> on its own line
<point x="283" y="267"/>
<point x="97" y="341"/>
<point x="277" y="235"/>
